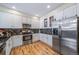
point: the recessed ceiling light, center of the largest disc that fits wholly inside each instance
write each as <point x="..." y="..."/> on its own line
<point x="36" y="15"/>
<point x="14" y="7"/>
<point x="48" y="6"/>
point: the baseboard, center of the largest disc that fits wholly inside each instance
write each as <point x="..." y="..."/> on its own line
<point x="35" y="41"/>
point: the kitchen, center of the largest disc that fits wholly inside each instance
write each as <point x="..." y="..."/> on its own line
<point x="41" y="29"/>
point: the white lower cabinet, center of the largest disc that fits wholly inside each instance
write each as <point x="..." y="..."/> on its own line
<point x="8" y="46"/>
<point x="17" y="40"/>
<point x="12" y="42"/>
<point x="46" y="39"/>
<point x="36" y="37"/>
<point x="43" y="37"/>
<point x="49" y="40"/>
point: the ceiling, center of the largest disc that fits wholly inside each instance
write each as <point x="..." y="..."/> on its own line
<point x="34" y="9"/>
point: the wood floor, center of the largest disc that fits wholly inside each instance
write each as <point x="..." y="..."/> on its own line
<point x="37" y="48"/>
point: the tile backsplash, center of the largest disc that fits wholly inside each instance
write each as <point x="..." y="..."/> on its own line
<point x="46" y="31"/>
<point x="19" y="30"/>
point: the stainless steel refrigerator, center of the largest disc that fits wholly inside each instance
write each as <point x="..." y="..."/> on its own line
<point x="66" y="41"/>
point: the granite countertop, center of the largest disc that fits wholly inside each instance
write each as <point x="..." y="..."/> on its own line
<point x="27" y="34"/>
<point x="1" y="44"/>
<point x="2" y="41"/>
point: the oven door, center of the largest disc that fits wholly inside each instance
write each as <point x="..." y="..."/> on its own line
<point x="27" y="39"/>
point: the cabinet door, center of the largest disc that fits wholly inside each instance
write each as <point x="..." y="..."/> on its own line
<point x="36" y="37"/>
<point x="41" y="23"/>
<point x="35" y="23"/>
<point x="8" y="20"/>
<point x="17" y="40"/>
<point x="4" y="23"/>
<point x="15" y="21"/>
<point x="78" y="9"/>
<point x="49" y="40"/>
<point x="46" y="38"/>
<point x="58" y="15"/>
<point x="70" y="11"/>
<point x="42" y="37"/>
<point x="8" y="46"/>
<point x="26" y="20"/>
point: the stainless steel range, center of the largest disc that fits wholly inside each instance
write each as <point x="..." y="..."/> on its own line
<point x="27" y="39"/>
<point x="27" y="36"/>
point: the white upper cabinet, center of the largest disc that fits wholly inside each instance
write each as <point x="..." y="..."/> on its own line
<point x="35" y="23"/>
<point x="58" y="15"/>
<point x="70" y="11"/>
<point x="17" y="22"/>
<point x="41" y="23"/>
<point x="8" y="20"/>
<point x="78" y="9"/>
<point x="26" y="20"/>
<point x="3" y="20"/>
